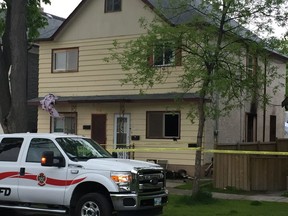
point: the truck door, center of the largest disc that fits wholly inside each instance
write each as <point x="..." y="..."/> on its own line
<point x="9" y="168"/>
<point x="39" y="184"/>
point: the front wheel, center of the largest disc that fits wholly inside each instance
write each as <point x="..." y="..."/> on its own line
<point x="93" y="204"/>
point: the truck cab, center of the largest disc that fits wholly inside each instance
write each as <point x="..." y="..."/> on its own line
<point x="72" y="174"/>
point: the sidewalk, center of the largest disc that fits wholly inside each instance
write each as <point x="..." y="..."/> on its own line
<point x="269" y="197"/>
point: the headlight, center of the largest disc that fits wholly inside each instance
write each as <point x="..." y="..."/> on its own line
<point x="123" y="180"/>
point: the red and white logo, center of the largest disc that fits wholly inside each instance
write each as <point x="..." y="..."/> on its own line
<point x="41" y="178"/>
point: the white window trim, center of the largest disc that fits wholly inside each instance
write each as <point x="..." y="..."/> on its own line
<point x="116" y="116"/>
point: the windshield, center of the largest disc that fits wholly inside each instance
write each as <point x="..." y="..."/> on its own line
<point x="82" y="149"/>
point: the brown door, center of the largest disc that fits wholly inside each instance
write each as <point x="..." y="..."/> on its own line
<point x="98" y="130"/>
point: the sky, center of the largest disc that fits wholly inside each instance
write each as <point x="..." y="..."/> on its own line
<point x="61" y="8"/>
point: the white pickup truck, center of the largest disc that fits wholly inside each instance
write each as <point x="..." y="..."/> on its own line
<point x="73" y="175"/>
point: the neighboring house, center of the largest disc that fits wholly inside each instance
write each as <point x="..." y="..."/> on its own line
<point x="92" y="101"/>
<point x="53" y="23"/>
<point x="255" y="122"/>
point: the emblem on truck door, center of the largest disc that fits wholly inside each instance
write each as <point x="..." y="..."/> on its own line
<point x="41" y="178"/>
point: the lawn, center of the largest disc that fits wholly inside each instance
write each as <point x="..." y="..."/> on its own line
<point x="183" y="206"/>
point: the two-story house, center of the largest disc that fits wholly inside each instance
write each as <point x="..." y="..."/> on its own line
<point x="93" y="102"/>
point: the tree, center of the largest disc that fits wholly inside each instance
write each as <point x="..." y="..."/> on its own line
<point x="18" y="26"/>
<point x="281" y="44"/>
<point x="214" y="43"/>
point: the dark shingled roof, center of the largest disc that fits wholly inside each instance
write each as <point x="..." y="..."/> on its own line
<point x="54" y="22"/>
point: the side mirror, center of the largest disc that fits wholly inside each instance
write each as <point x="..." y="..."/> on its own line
<point x="49" y="160"/>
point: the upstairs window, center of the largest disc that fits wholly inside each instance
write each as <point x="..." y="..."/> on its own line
<point x="251" y="64"/>
<point x="162" y="125"/>
<point x="65" y="60"/>
<point x="112" y="6"/>
<point x="165" y="54"/>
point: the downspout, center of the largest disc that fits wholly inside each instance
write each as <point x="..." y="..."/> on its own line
<point x="264" y="105"/>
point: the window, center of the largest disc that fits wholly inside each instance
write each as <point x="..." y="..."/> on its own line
<point x="10" y="148"/>
<point x="65" y="124"/>
<point x="163" y="125"/>
<point x="112" y="6"/>
<point x="251" y="125"/>
<point x="165" y="54"/>
<point x="272" y="128"/>
<point x="121" y="130"/>
<point x="251" y="64"/>
<point x="38" y="146"/>
<point x="65" y="60"/>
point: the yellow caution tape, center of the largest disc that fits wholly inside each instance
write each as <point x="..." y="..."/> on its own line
<point x="217" y="151"/>
<point x="151" y="149"/>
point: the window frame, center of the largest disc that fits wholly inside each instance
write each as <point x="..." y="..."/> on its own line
<point x="163" y="125"/>
<point x="63" y="115"/>
<point x="273" y="128"/>
<point x="64" y="51"/>
<point x="250" y="127"/>
<point x="17" y="142"/>
<point x="48" y="147"/>
<point x="175" y="52"/>
<point x="112" y="10"/>
<point x="163" y="47"/>
<point x="251" y="63"/>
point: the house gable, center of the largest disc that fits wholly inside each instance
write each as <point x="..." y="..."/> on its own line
<point x="90" y="21"/>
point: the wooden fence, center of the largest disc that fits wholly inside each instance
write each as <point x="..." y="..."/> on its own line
<point x="252" y="172"/>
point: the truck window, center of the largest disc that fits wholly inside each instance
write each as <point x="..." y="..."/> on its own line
<point x="10" y="148"/>
<point x="38" y="146"/>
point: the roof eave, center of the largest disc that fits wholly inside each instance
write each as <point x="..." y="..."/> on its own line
<point x="168" y="97"/>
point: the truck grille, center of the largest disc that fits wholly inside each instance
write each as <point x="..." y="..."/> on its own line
<point x="151" y="181"/>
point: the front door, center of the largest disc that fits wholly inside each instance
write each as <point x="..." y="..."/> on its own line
<point x="98" y="130"/>
<point x="121" y="131"/>
<point x="39" y="184"/>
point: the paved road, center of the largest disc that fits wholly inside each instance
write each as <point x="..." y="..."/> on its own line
<point x="26" y="213"/>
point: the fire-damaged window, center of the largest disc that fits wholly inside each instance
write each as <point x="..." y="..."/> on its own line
<point x="273" y="128"/>
<point x="251" y="127"/>
<point x="162" y="125"/>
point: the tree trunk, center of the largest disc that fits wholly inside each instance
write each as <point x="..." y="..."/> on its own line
<point x="198" y="158"/>
<point x="13" y="105"/>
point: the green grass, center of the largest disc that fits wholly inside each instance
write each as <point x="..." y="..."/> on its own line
<point x="185" y="206"/>
<point x="208" y="186"/>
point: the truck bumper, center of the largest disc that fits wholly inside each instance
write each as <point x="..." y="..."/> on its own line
<point x="130" y="202"/>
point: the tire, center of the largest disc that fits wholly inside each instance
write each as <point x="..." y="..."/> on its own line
<point x="93" y="204"/>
